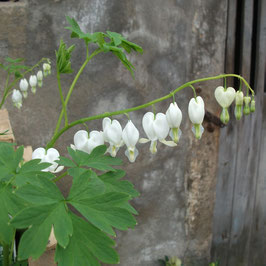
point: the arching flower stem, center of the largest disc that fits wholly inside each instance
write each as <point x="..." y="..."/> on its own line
<point x="139" y="107"/>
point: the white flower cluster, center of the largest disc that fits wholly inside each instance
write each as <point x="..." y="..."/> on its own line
<point x="34" y="80"/>
<point x="226" y="96"/>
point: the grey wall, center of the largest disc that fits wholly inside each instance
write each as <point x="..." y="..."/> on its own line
<point x="182" y="40"/>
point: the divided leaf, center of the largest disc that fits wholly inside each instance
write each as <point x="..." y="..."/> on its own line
<point x="109" y="41"/>
<point x="86" y="246"/>
<point x="63" y="56"/>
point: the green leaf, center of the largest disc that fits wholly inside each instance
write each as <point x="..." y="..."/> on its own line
<point x="66" y="162"/>
<point x="43" y="192"/>
<point x="63" y="56"/>
<point x="96" y="159"/>
<point x="86" y="245"/>
<point x="102" y="211"/>
<point x="10" y="60"/>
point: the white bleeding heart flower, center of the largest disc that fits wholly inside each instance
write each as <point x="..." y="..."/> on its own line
<point x="225" y="97"/>
<point x="49" y="156"/>
<point x="46" y="69"/>
<point x="87" y="142"/>
<point x="33" y="83"/>
<point x="39" y="78"/>
<point x="23" y="85"/>
<point x="17" y="98"/>
<point x="130" y="136"/>
<point x="156" y="128"/>
<point x="174" y="118"/>
<point x="196" y="112"/>
<point x="112" y="132"/>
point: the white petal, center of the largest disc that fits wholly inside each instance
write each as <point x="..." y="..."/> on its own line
<point x="113" y="133"/>
<point x="59" y="168"/>
<point x="130" y="134"/>
<point x="168" y="143"/>
<point x="52" y="155"/>
<point x="73" y="147"/>
<point x="38" y="153"/>
<point x="96" y="139"/>
<point x="224" y="97"/>
<point x="132" y="155"/>
<point x="196" y="110"/>
<point x="33" y="81"/>
<point x="147" y="123"/>
<point x="174" y="116"/>
<point x="39" y="75"/>
<point x="81" y="140"/>
<point x="106" y="122"/>
<point x="153" y="147"/>
<point x="143" y="140"/>
<point x="160" y="126"/>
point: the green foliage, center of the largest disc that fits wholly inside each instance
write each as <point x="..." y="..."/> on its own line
<point x="30" y="200"/>
<point x="107" y="42"/>
<point x="13" y="66"/>
<point x="173" y="261"/>
<point x="63" y="56"/>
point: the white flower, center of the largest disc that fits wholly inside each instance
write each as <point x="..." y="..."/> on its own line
<point x="46" y="69"/>
<point x="33" y="83"/>
<point x="156" y="128"/>
<point x="87" y="142"/>
<point x="130" y="137"/>
<point x="112" y="132"/>
<point x="196" y="114"/>
<point x="49" y="156"/>
<point x="23" y="85"/>
<point x="39" y="78"/>
<point x="17" y="98"/>
<point x="225" y="97"/>
<point x="174" y="118"/>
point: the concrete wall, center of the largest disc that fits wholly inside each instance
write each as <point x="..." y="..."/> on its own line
<point x="182" y="40"/>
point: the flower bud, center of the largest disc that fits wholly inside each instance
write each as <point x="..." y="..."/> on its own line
<point x="225" y="117"/>
<point x="239" y="98"/>
<point x="238" y="112"/>
<point x="246" y="110"/>
<point x="23" y="85"/>
<point x="33" y="83"/>
<point x="46" y="69"/>
<point x="39" y="78"/>
<point x="252" y="106"/>
<point x="17" y="98"/>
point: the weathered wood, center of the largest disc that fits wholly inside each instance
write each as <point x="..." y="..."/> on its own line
<point x="237" y="198"/>
<point x="4" y="126"/>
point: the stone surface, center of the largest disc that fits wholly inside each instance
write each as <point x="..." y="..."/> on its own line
<point x="182" y="40"/>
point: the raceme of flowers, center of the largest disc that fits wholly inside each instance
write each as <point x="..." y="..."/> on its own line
<point x="157" y="128"/>
<point x="34" y="81"/>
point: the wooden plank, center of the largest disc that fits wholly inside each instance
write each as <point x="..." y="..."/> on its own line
<point x="5" y="125"/>
<point x="227" y="150"/>
<point x="257" y="239"/>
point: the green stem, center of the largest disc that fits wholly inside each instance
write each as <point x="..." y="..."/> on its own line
<point x="6" y="255"/>
<point x="194" y="92"/>
<point x="7" y="89"/>
<point x="97" y="51"/>
<point x="59" y="177"/>
<point x="62" y="97"/>
<point x="12" y="247"/>
<point x="109" y="114"/>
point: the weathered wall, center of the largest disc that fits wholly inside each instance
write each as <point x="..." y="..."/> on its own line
<point x="182" y="40"/>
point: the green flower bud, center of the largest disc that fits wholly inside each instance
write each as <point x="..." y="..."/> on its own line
<point x="225" y="117"/>
<point x="197" y="129"/>
<point x="238" y="112"/>
<point x="239" y="98"/>
<point x="252" y="106"/>
<point x="246" y="110"/>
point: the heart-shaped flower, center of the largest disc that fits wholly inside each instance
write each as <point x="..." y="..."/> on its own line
<point x="156" y="128"/>
<point x="39" y="78"/>
<point x="239" y="104"/>
<point x="17" y="98"/>
<point x="49" y="156"/>
<point x="225" y="97"/>
<point x="23" y="85"/>
<point x="130" y="137"/>
<point x="87" y="142"/>
<point x="196" y="114"/>
<point x="112" y="132"/>
<point x="174" y="118"/>
<point x="33" y="83"/>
